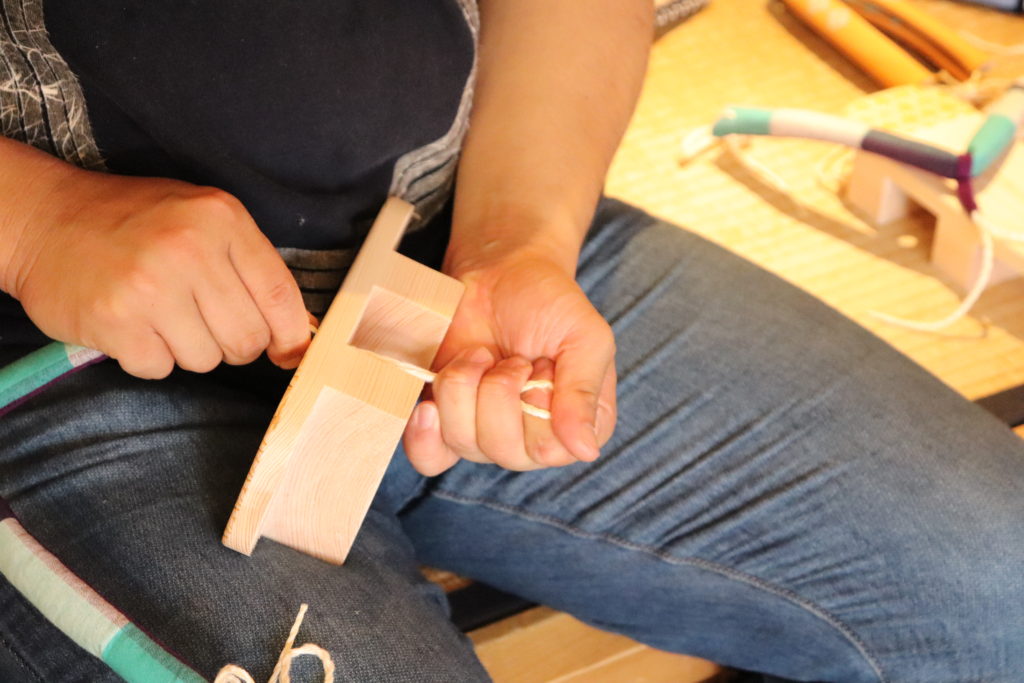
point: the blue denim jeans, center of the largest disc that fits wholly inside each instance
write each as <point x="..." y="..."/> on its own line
<point x="784" y="493"/>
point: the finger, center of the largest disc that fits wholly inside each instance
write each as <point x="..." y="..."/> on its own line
<point x="276" y="295"/>
<point x="580" y="372"/>
<point x="423" y="444"/>
<point x="542" y="445"/>
<point x="141" y="352"/>
<point x="455" y="390"/>
<point x="607" y="407"/>
<point x="232" y="317"/>
<point x="499" y="415"/>
<point x="187" y="336"/>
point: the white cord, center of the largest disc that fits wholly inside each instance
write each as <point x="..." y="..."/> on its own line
<point x="995" y="48"/>
<point x="428" y="377"/>
<point x="232" y="673"/>
<point x="986" y="231"/>
<point x="759" y="170"/>
<point x="695" y="143"/>
<point x="701" y="139"/>
<point x="980" y="283"/>
<point x="825" y="171"/>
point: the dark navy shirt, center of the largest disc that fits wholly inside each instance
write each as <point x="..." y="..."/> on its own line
<point x="300" y="109"/>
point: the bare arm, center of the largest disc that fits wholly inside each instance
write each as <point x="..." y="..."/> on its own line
<point x="27" y="177"/>
<point x="558" y="81"/>
<point x="557" y="84"/>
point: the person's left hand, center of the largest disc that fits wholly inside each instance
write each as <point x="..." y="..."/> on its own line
<point x="522" y="317"/>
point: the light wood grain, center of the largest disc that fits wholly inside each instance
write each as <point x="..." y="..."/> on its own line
<point x="545" y="646"/>
<point x="647" y="665"/>
<point x="332" y="475"/>
<point x="885" y="190"/>
<point x="342" y="416"/>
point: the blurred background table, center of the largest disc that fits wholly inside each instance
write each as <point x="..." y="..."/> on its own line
<point x="755" y="53"/>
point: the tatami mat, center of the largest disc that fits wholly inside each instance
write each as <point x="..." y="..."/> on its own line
<point x="753" y="52"/>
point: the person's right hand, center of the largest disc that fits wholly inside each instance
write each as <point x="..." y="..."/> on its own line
<point x="156" y="272"/>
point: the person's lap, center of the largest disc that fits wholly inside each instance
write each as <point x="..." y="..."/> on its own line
<point x="130" y="484"/>
<point x="783" y="493"/>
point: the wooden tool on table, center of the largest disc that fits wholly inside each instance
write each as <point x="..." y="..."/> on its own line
<point x="344" y="412"/>
<point x="886" y="37"/>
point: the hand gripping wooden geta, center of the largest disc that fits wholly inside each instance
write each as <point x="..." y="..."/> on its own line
<point x="343" y="414"/>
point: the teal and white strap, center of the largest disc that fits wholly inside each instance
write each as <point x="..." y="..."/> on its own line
<point x="31" y="374"/>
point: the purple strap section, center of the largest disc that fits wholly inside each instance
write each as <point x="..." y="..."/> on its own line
<point x="965" y="184"/>
<point x="911" y="152"/>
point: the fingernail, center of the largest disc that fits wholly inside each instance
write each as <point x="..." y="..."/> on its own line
<point x="589" y="448"/>
<point x="289" y="364"/>
<point x="425" y="417"/>
<point x="543" y="365"/>
<point x="520" y="363"/>
<point x="481" y="356"/>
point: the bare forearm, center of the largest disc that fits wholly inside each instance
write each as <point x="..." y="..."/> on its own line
<point x="557" y="84"/>
<point x="27" y="177"/>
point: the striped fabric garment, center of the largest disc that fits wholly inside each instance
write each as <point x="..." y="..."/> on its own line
<point x="669" y="13"/>
<point x="81" y="613"/>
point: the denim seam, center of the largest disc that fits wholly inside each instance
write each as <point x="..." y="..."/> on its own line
<point x="22" y="662"/>
<point x="729" y="573"/>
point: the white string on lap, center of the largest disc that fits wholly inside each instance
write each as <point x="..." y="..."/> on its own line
<point x="232" y="673"/>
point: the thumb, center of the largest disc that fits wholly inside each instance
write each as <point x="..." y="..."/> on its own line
<point x="581" y="373"/>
